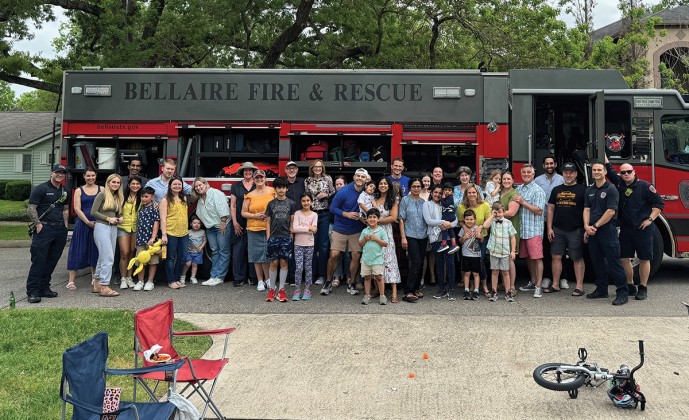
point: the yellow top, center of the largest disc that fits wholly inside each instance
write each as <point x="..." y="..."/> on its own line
<point x="258" y="204"/>
<point x="129" y="216"/>
<point x="177" y="219"/>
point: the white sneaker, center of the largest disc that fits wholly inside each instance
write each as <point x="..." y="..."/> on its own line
<point x="130" y="282"/>
<point x="123" y="283"/>
<point x="148" y="286"/>
<point x="261" y="286"/>
<point x="208" y="282"/>
<point x="213" y="282"/>
<point x="538" y="292"/>
<point x="546" y="283"/>
<point x="193" y="280"/>
<point x="320" y="281"/>
<point x="564" y="284"/>
<point x="183" y="279"/>
<point x="138" y="286"/>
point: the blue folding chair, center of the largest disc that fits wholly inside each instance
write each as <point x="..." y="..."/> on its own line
<point x="84" y="374"/>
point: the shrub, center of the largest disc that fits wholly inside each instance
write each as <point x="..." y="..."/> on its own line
<point x="3" y="184"/>
<point x="17" y="190"/>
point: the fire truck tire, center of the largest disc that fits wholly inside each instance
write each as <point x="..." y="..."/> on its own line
<point x="657" y="256"/>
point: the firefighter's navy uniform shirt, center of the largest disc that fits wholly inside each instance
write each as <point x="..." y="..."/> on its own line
<point x="601" y="199"/>
<point x="45" y="194"/>
<point x="636" y="199"/>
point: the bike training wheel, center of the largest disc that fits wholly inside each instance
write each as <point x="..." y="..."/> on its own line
<point x="546" y="376"/>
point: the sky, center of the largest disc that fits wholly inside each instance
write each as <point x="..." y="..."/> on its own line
<point x="605" y="12"/>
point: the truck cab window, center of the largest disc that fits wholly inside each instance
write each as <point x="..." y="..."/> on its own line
<point x="675" y="129"/>
<point x="618" y="136"/>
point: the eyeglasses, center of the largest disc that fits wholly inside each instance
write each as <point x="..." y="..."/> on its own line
<point x="416" y="186"/>
<point x="627" y="172"/>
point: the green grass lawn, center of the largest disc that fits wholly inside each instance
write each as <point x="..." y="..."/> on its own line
<point x="13" y="231"/>
<point x="31" y="346"/>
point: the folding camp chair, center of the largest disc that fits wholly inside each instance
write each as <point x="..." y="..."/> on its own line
<point x="154" y="326"/>
<point x="84" y="377"/>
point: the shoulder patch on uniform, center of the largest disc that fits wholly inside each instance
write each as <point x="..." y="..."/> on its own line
<point x="603" y="194"/>
<point x="652" y="189"/>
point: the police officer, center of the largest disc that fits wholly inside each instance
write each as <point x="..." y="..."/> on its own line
<point x="600" y="211"/>
<point x="640" y="205"/>
<point x="48" y="209"/>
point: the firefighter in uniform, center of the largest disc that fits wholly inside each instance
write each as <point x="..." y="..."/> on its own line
<point x="640" y="205"/>
<point x="48" y="209"/>
<point x="600" y="211"/>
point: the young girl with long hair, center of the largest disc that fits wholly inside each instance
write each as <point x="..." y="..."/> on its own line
<point x="107" y="209"/>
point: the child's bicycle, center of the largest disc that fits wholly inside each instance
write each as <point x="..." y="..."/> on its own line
<point x="624" y="391"/>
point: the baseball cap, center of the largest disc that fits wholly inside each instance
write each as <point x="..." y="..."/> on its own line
<point x="361" y="171"/>
<point x="259" y="172"/>
<point x="569" y="166"/>
<point x="59" y="168"/>
<point x="291" y="163"/>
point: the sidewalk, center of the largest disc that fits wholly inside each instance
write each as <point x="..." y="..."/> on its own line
<point x="358" y="366"/>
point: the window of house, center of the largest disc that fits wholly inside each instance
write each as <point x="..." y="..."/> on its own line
<point x="675" y="129"/>
<point x="22" y="162"/>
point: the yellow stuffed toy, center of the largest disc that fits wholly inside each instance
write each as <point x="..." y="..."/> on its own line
<point x="144" y="257"/>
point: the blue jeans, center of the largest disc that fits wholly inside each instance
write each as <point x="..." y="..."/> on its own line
<point x="444" y="269"/>
<point x="177" y="248"/>
<point x="321" y="245"/>
<point x="220" y="251"/>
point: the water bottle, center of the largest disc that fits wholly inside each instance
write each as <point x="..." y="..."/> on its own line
<point x="13" y="302"/>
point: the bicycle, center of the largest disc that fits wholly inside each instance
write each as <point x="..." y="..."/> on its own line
<point x="624" y="390"/>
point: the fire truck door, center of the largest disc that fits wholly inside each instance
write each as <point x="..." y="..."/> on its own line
<point x="596" y="145"/>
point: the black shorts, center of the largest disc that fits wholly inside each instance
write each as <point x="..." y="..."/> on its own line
<point x="637" y="240"/>
<point x="572" y="241"/>
<point x="471" y="264"/>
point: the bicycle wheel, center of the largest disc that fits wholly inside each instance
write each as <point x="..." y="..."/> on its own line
<point x="547" y="377"/>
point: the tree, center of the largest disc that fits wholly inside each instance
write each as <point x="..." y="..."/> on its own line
<point x="7" y="100"/>
<point x="37" y="101"/>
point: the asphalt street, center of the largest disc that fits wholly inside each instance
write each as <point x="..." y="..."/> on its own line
<point x="333" y="358"/>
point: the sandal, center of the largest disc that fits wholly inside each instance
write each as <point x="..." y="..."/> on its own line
<point x="410" y="297"/>
<point x="419" y="294"/>
<point x="487" y="294"/>
<point x="173" y="285"/>
<point x="394" y="300"/>
<point x="106" y="291"/>
<point x="71" y="286"/>
<point x="578" y="292"/>
<point x="550" y="289"/>
<point x="96" y="287"/>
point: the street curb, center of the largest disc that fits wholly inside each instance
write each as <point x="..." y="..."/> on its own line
<point x="20" y="243"/>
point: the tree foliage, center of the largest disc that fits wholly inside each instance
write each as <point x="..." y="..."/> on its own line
<point x="7" y="99"/>
<point x="38" y="101"/>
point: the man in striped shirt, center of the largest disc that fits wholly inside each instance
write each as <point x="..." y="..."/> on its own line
<point x="532" y="200"/>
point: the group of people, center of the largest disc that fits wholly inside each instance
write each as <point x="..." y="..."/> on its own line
<point x="316" y="230"/>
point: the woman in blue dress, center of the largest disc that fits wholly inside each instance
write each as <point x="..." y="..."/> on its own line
<point x="82" y="249"/>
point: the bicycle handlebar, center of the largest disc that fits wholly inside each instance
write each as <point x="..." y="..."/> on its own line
<point x="641" y="361"/>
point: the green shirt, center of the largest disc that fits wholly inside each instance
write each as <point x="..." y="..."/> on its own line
<point x="372" y="254"/>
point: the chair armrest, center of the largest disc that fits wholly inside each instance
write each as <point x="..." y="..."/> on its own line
<point x="95" y="409"/>
<point x="207" y="332"/>
<point x="166" y="367"/>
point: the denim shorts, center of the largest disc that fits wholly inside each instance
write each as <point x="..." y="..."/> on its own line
<point x="256" y="242"/>
<point x="122" y="232"/>
<point x="279" y="248"/>
<point x="195" y="257"/>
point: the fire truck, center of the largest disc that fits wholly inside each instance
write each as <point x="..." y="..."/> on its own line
<point x="212" y="119"/>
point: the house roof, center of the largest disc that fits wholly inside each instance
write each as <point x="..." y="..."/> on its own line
<point x="677" y="16"/>
<point x="17" y="129"/>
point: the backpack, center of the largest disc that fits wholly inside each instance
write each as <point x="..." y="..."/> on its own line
<point x="318" y="150"/>
<point x="351" y="151"/>
<point x="364" y="156"/>
<point x="336" y="154"/>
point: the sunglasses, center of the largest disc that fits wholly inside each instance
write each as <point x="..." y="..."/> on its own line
<point x="626" y="172"/>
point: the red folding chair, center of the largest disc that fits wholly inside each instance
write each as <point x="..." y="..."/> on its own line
<point x="154" y="326"/>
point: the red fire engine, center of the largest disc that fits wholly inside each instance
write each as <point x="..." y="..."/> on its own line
<point x="212" y="119"/>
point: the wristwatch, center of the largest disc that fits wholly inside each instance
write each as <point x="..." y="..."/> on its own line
<point x="650" y="219"/>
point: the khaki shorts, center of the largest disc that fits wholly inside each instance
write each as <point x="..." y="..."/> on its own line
<point x="371" y="270"/>
<point x="155" y="259"/>
<point x="339" y="242"/>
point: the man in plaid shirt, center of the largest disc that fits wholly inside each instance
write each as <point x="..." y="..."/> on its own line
<point x="532" y="199"/>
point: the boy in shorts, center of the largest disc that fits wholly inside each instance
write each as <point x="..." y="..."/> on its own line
<point x="450" y="214"/>
<point x="470" y="238"/>
<point x="372" y="240"/>
<point x="501" y="245"/>
<point x="147" y="225"/>
<point x="279" y="218"/>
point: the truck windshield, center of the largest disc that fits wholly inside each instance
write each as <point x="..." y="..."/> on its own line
<point x="675" y="130"/>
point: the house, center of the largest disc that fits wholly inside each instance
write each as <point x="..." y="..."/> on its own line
<point x="25" y="145"/>
<point x="671" y="49"/>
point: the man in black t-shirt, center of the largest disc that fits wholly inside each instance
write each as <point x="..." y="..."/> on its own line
<point x="48" y="209"/>
<point x="565" y="228"/>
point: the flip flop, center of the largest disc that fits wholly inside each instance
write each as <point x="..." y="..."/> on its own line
<point x="551" y="289"/>
<point x="394" y="300"/>
<point x="107" y="292"/>
<point x="71" y="286"/>
<point x="173" y="285"/>
<point x="578" y="292"/>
